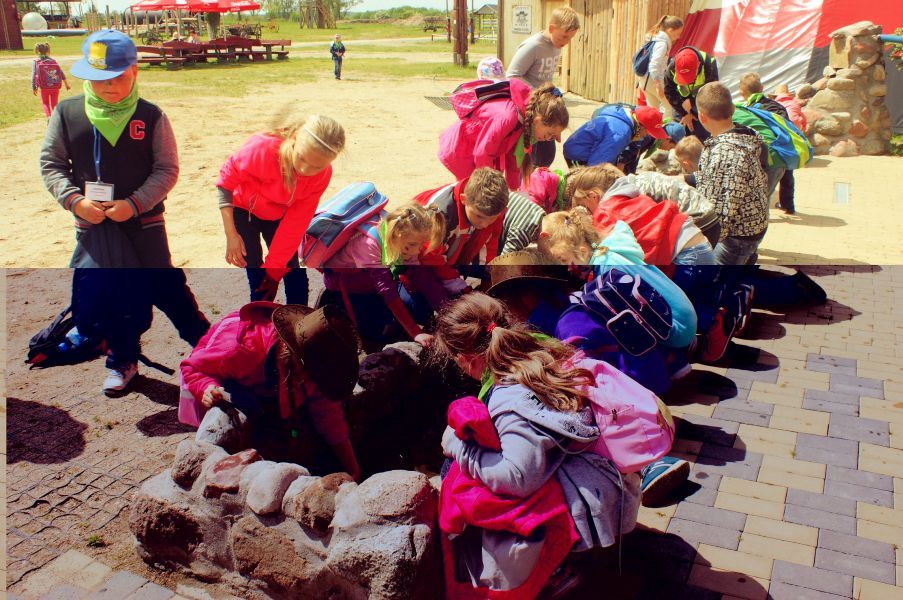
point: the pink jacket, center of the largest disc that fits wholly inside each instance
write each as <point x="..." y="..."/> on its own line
<point x="252" y="175"/>
<point x="542" y="189"/>
<point x="487" y="137"/>
<point x="235" y="351"/>
<point x="794" y="110"/>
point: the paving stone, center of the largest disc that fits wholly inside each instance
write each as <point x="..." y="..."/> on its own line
<point x="741" y="416"/>
<point x="708" y="534"/>
<point x="762" y="408"/>
<point x="819" y="518"/>
<point x="744" y="378"/>
<point x="701" y="475"/>
<point x="118" y="586"/>
<point x="702" y="495"/>
<point x="814" y="454"/>
<point x="151" y="591"/>
<point x="711" y="516"/>
<point x="832" y="397"/>
<point x="841" y="506"/>
<point x="858" y="492"/>
<point x="733" y="462"/>
<point x="832" y="407"/>
<point x="812" y="578"/>
<point x="858" y="546"/>
<point x="830" y="444"/>
<point x="667" y="568"/>
<point x="657" y="544"/>
<point x="860" y="386"/>
<point x="859" y="429"/>
<point x="65" y="592"/>
<point x="716" y="431"/>
<point x="825" y="363"/>
<point x="778" y="590"/>
<point x="656" y="589"/>
<point x="858" y="566"/>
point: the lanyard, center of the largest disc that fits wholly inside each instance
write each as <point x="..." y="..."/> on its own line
<point x="96" y="154"/>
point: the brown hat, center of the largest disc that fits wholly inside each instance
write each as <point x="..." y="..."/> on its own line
<point x="325" y="342"/>
<point x="524" y="267"/>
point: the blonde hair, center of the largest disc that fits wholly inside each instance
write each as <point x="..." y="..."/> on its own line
<point x="566" y="18"/>
<point x="42" y="48"/>
<point x="409" y="220"/>
<point x="547" y="103"/>
<point x="319" y="133"/>
<point x="750" y="83"/>
<point x="781" y="88"/>
<point x="689" y="148"/>
<point x="581" y="180"/>
<point x="572" y="229"/>
<point x="487" y="191"/>
<point x="666" y="22"/>
<point x="715" y="102"/>
<point x="479" y="325"/>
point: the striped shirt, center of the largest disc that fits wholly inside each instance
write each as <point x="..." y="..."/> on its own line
<point x="520" y="228"/>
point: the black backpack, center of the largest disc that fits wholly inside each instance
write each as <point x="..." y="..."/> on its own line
<point x="50" y="346"/>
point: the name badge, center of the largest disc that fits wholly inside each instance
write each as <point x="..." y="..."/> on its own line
<point x="99" y="191"/>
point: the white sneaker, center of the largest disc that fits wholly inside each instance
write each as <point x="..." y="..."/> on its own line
<point x="119" y="379"/>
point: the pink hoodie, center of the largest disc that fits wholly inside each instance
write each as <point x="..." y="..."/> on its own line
<point x="487" y="137"/>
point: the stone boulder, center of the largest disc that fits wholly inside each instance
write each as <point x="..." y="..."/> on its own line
<point x="858" y="28"/>
<point x="412" y="349"/>
<point x="833" y="101"/>
<point x="841" y="84"/>
<point x="873" y="147"/>
<point x="189" y="462"/>
<point x="225" y="426"/>
<point x="859" y="129"/>
<point x="266" y="554"/>
<point x="398" y="496"/>
<point x="390" y="371"/>
<point x="828" y="125"/>
<point x="865" y="63"/>
<point x="879" y="89"/>
<point x="844" y="148"/>
<point x="878" y="73"/>
<point x="225" y="475"/>
<point x="268" y="489"/>
<point x="820" y="144"/>
<point x="314" y="505"/>
<point x="850" y="73"/>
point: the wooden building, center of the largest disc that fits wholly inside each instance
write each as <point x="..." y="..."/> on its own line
<point x="596" y="64"/>
<point x="486" y="21"/>
<point x="10" y="35"/>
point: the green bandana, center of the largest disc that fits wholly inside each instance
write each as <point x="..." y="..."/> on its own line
<point x="753" y="99"/>
<point x="110" y="119"/>
<point x="396" y="267"/>
<point x="562" y="184"/>
<point x="519" y="150"/>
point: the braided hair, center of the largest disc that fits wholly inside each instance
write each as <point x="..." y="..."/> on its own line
<point x="547" y="104"/>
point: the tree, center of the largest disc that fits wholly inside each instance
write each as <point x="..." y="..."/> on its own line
<point x="279" y="9"/>
<point x="213" y="20"/>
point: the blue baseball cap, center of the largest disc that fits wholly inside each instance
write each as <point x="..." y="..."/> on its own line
<point x="675" y="131"/>
<point x="107" y="54"/>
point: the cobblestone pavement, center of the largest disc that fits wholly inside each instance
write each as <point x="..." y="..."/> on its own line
<point x="796" y="440"/>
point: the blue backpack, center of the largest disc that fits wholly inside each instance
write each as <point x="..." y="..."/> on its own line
<point x="641" y="59"/>
<point x="356" y="208"/>
<point x="787" y="145"/>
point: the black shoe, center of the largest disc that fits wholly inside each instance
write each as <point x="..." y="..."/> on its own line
<point x="814" y="292"/>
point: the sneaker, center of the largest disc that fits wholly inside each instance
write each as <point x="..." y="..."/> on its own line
<point x="744" y="297"/>
<point x="118" y="379"/>
<point x="661" y="478"/>
<point x="814" y="292"/>
<point x="715" y="341"/>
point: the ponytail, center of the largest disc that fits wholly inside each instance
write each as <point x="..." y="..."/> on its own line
<point x="666" y="22"/>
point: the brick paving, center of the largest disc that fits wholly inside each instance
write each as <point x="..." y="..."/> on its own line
<point x="796" y="488"/>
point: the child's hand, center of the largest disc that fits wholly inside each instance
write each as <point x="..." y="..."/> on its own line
<point x="35" y="92"/>
<point x="424" y="339"/>
<point x="687" y="121"/>
<point x="212" y="395"/>
<point x="687" y="105"/>
<point x="119" y="210"/>
<point x="235" y="250"/>
<point x="90" y="211"/>
<point x="67" y="86"/>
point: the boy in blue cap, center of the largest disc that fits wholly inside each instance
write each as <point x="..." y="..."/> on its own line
<point x="610" y="130"/>
<point x="110" y="158"/>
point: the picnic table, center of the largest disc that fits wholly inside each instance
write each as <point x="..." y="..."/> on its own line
<point x="176" y="53"/>
<point x="268" y="46"/>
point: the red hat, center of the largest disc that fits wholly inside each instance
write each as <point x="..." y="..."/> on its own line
<point x="651" y="119"/>
<point x="686" y="66"/>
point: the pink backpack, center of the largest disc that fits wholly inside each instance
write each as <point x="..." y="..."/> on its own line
<point x="469" y="96"/>
<point x="636" y="427"/>
<point x="47" y="74"/>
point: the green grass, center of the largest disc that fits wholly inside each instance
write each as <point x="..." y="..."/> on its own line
<point x="896" y="145"/>
<point x="480" y="48"/>
<point x="59" y="46"/>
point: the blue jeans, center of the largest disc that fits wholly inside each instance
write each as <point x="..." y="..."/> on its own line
<point x="699" y="254"/>
<point x="738" y="250"/>
<point x="251" y="229"/>
<point x="337" y="66"/>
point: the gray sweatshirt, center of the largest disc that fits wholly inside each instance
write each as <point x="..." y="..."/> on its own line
<point x="535" y="61"/>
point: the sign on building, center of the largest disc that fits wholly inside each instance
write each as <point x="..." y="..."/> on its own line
<point x="521" y="19"/>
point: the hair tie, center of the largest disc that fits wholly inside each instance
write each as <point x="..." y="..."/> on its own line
<point x="490" y="327"/>
<point x="556" y="92"/>
<point x="313" y="135"/>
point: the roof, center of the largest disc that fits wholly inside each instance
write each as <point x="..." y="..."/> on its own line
<point x="488" y="9"/>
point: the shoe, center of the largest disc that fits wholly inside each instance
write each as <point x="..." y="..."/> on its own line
<point x="715" y="341"/>
<point x="118" y="379"/>
<point x="661" y="478"/>
<point x="744" y="296"/>
<point x="814" y="292"/>
<point x="679" y="367"/>
<point x="788" y="211"/>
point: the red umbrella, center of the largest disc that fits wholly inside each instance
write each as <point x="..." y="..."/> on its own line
<point x="237" y="5"/>
<point x="191" y="5"/>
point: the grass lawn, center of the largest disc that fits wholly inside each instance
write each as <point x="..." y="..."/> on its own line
<point x="476" y="51"/>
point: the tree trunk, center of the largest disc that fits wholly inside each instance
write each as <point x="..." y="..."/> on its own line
<point x="212" y="24"/>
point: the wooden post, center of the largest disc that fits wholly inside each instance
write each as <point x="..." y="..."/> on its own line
<point x="109" y="22"/>
<point x="460" y="27"/>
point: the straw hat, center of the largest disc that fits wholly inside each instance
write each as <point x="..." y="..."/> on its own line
<point x="524" y="267"/>
<point x="325" y="342"/>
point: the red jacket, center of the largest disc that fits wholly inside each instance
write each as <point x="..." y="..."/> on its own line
<point x="794" y="110"/>
<point x="656" y="225"/>
<point x="253" y="176"/>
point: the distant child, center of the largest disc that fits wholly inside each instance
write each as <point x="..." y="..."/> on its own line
<point x="610" y="130"/>
<point x="795" y="111"/>
<point x="193" y="37"/>
<point x="110" y="158"/>
<point x="337" y="51"/>
<point x="491" y="68"/>
<point x="535" y="62"/>
<point x="665" y="33"/>
<point x="500" y="133"/>
<point x="47" y="76"/>
<point x="688" y="71"/>
<point x="666" y="235"/>
<point x="687" y="152"/>
<point x="473" y="209"/>
<point x="269" y="361"/>
<point x="538" y="407"/>
<point x="270" y="189"/>
<point x="732" y="174"/>
<point x="367" y="269"/>
<point x="752" y="93"/>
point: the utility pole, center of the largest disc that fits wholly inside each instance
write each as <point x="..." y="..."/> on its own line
<point x="473" y="25"/>
<point x="460" y="50"/>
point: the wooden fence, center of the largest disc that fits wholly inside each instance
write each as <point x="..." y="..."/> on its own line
<point x="611" y="31"/>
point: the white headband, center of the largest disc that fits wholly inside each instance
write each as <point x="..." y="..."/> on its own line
<point x="325" y="145"/>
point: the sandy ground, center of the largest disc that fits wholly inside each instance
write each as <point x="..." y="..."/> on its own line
<point x="392" y="137"/>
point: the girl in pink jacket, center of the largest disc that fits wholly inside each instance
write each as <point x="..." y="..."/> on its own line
<point x="499" y="132"/>
<point x="268" y="360"/>
<point x="363" y="276"/>
<point x="270" y="189"/>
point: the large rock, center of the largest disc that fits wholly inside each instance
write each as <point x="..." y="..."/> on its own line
<point x="820" y="85"/>
<point x="873" y="147"/>
<point x="832" y="100"/>
<point x="225" y="426"/>
<point x="844" y="148"/>
<point x="842" y="117"/>
<point x="190" y="458"/>
<point x="828" y="72"/>
<point x="820" y="140"/>
<point x="859" y="129"/>
<point x="225" y="475"/>
<point x="879" y="89"/>
<point x="851" y="73"/>
<point x="858" y="28"/>
<point x="828" y="125"/>
<point x="397" y="563"/>
<point x="840" y="83"/>
<point x="390" y="371"/>
<point x="865" y="114"/>
<point x="268" y="488"/>
<point x="314" y="506"/>
<point x="398" y="496"/>
<point x="412" y="349"/>
<point x="866" y="62"/>
<point x="265" y="554"/>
